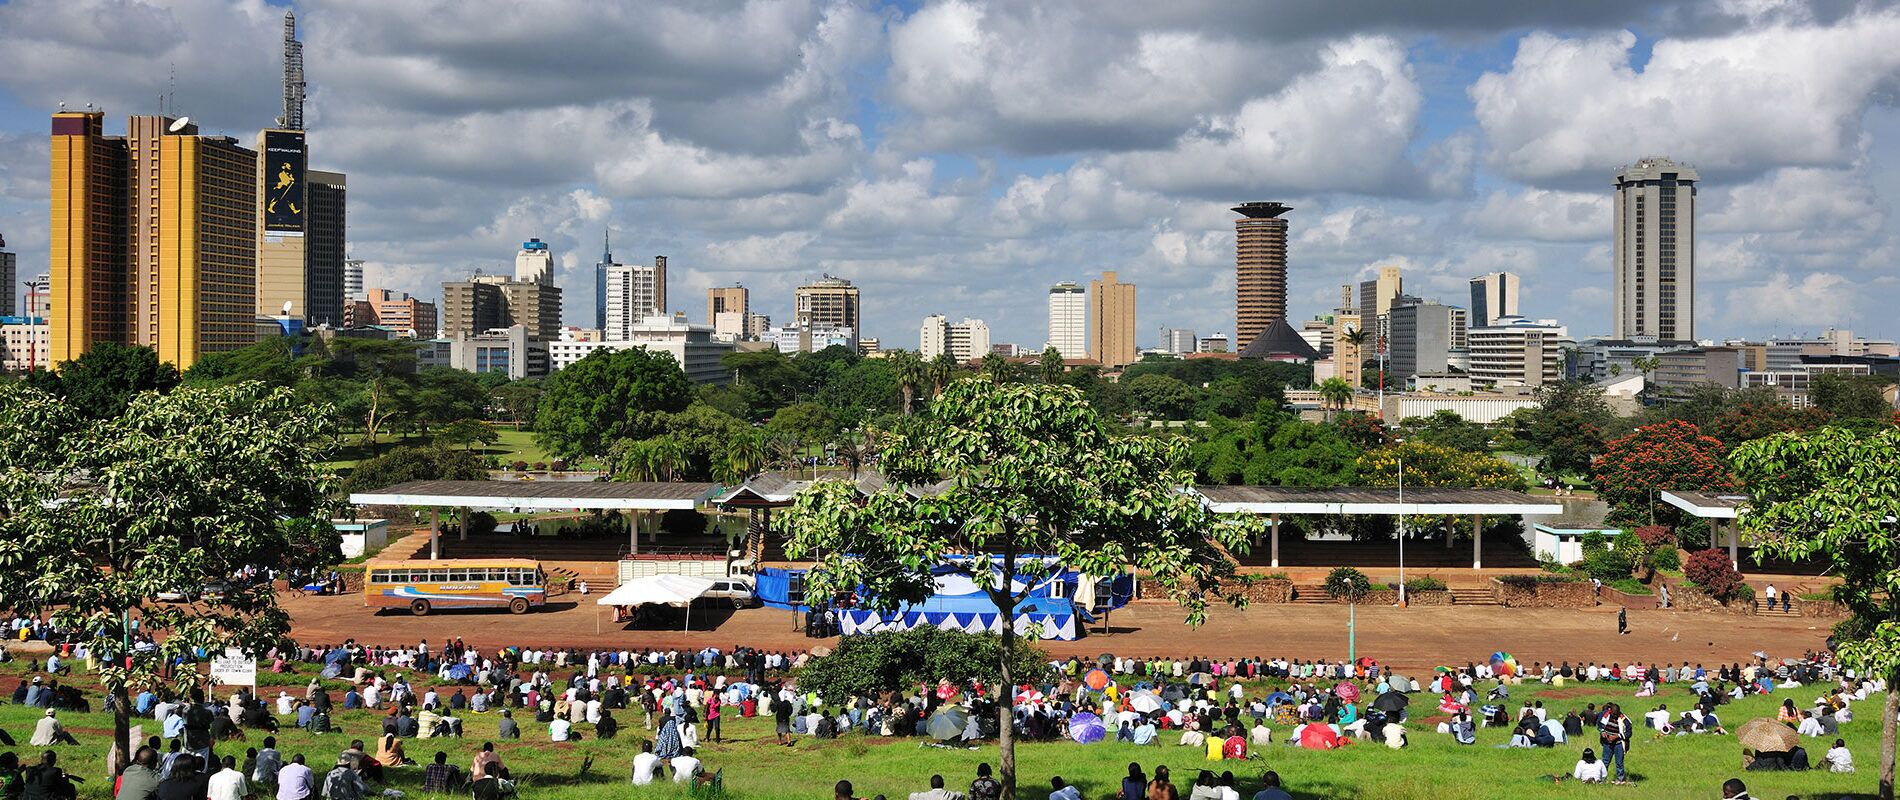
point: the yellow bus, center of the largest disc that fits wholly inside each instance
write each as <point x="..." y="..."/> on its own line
<point x="517" y="584"/>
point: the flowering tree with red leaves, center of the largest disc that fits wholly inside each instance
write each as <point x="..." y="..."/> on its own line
<point x="1711" y="570"/>
<point x="1635" y="470"/>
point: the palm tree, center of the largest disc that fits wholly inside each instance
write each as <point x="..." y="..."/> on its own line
<point x="744" y="456"/>
<point x="911" y="375"/>
<point x="661" y="458"/>
<point x="1335" y="393"/>
<point x="1051" y="364"/>
<point x="996" y="368"/>
<point x="940" y="370"/>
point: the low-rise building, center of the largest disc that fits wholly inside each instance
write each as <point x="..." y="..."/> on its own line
<point x="511" y="351"/>
<point x="24" y="343"/>
<point x="1678" y="371"/>
<point x="694" y="347"/>
<point x="1514" y="351"/>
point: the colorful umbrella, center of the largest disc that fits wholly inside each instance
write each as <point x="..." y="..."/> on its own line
<point x="1443" y="670"/>
<point x="945" y="690"/>
<point x="1503" y="663"/>
<point x="1086" y="728"/>
<point x="1347" y="691"/>
<point x="1095" y="679"/>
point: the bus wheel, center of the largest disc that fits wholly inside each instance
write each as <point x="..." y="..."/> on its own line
<point x="518" y="605"/>
<point x="419" y="607"/>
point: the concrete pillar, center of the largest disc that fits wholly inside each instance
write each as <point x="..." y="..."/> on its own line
<point x="1274" y="523"/>
<point x="1735" y="544"/>
<point x="1477" y="541"/>
<point x="435" y="533"/>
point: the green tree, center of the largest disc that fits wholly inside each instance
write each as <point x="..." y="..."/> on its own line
<point x="1833" y="494"/>
<point x="1049" y="366"/>
<point x="1334" y="394"/>
<point x="608" y="396"/>
<point x="939" y="372"/>
<point x="864" y="666"/>
<point x="997" y="368"/>
<point x="1160" y="397"/>
<point x="102" y="381"/>
<point x="864" y="389"/>
<point x="1852" y="396"/>
<point x="808" y="424"/>
<point x="444" y="395"/>
<point x="517" y="399"/>
<point x="1025" y="470"/>
<point x="420" y="463"/>
<point x="274" y="360"/>
<point x="1567" y="428"/>
<point x="181" y="488"/>
<point x="467" y="433"/>
<point x="911" y="375"/>
<point x="1445" y="427"/>
<point x="656" y="458"/>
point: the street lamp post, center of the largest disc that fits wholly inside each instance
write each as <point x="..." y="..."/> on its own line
<point x="33" y="288"/>
<point x="1401" y="454"/>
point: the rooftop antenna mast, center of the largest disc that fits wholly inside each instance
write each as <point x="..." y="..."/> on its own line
<point x="293" y="75"/>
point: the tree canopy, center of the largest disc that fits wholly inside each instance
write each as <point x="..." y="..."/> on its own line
<point x="1634" y="469"/>
<point x="1012" y="474"/>
<point x="102" y="381"/>
<point x="196" y="485"/>
<point x="608" y="396"/>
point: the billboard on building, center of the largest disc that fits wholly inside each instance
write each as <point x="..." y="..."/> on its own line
<point x="285" y="206"/>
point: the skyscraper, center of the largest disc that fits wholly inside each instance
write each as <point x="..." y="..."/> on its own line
<point x="1376" y="296"/>
<point x="534" y="263"/>
<point x="605" y="263"/>
<point x="1112" y="321"/>
<point x="300" y="231"/>
<point x="293" y="76"/>
<point x="1653" y="291"/>
<point x="1069" y="319"/>
<point x="353" y="278"/>
<point x="154" y="238"/>
<point x="1493" y="295"/>
<point x="9" y="278"/>
<point x="485" y="302"/>
<point x="963" y="341"/>
<point x="734" y="303"/>
<point x="827" y="303"/>
<point x="1259" y="269"/>
<point x="634" y="292"/>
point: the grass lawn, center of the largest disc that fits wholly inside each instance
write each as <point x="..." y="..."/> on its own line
<point x="513" y="446"/>
<point x="1432" y="767"/>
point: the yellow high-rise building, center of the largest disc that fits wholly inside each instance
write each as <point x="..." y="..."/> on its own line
<point x="1112" y="321"/>
<point x="155" y="238"/>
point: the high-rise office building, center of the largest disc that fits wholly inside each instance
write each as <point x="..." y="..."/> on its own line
<point x="534" y="263"/>
<point x="827" y="303"/>
<point x="1259" y="269"/>
<point x="1112" y="321"/>
<point x="1653" y="289"/>
<point x="734" y="302"/>
<point x="9" y="278"/>
<point x="154" y="238"/>
<point x="352" y="278"/>
<point x="1069" y="319"/>
<point x="1376" y="296"/>
<point x="300" y="231"/>
<point x="486" y="302"/>
<point x="634" y="293"/>
<point x="1493" y="295"/>
<point x="605" y="263"/>
<point x="1420" y="337"/>
<point x="324" y="247"/>
<point x="964" y="341"/>
<point x="1180" y="340"/>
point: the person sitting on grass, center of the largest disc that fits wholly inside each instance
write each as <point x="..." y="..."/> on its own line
<point x="269" y="761"/>
<point x="688" y="769"/>
<point x="1837" y="758"/>
<point x="1161" y="788"/>
<point x="1062" y="791"/>
<point x="1135" y="786"/>
<point x="50" y="732"/>
<point x="1734" y="789"/>
<point x="389" y="752"/>
<point x="507" y="728"/>
<point x="936" y="792"/>
<point x="439" y="777"/>
<point x="1589" y="769"/>
<point x="1270" y="788"/>
<point x="345" y="781"/>
<point x="644" y="764"/>
<point x="986" y="786"/>
<point x="186" y="781"/>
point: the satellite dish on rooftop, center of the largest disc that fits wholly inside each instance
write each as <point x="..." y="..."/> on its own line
<point x="286" y="308"/>
<point x="179" y="124"/>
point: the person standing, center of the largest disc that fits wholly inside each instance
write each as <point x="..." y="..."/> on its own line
<point x="1770" y="594"/>
<point x="1613" y="732"/>
<point x="1623" y="621"/>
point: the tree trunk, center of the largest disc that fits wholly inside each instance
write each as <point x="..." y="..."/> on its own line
<point x="1006" y="714"/>
<point x="122" y="726"/>
<point x="1887" y="735"/>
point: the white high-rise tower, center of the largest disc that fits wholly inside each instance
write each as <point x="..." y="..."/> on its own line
<point x="1653" y="291"/>
<point x="1068" y="319"/>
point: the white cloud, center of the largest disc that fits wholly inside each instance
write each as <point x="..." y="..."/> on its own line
<point x="1544" y="215"/>
<point x="1774" y="95"/>
<point x="1815" y="300"/>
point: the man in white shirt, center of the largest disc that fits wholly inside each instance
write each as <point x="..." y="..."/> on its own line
<point x="1063" y="791"/>
<point x="559" y="729"/>
<point x="937" y="792"/>
<point x="644" y="764"/>
<point x="685" y="768"/>
<point x="1810" y="726"/>
<point x="228" y="783"/>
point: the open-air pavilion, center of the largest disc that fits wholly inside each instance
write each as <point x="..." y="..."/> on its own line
<point x="637" y="498"/>
<point x="1274" y="501"/>
<point x="1715" y="508"/>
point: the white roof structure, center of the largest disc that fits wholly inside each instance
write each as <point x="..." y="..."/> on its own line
<point x="1378" y="501"/>
<point x="539" y="495"/>
<point x="672" y="590"/>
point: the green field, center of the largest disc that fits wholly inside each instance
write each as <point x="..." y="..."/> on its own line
<point x="514" y="446"/>
<point x="1433" y="767"/>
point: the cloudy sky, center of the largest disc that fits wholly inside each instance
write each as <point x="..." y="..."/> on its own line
<point x="958" y="157"/>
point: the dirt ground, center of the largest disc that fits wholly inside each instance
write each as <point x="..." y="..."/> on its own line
<point x="1413" y="638"/>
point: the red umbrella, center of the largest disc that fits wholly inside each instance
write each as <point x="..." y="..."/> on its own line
<point x="1347" y="691"/>
<point x="1318" y="737"/>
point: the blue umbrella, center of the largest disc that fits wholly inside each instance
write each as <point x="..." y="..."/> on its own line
<point x="459" y="672"/>
<point x="1086" y="728"/>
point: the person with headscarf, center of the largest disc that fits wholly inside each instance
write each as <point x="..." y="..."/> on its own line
<point x="666" y="744"/>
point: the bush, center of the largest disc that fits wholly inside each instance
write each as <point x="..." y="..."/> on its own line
<point x="540" y="466"/>
<point x="558" y="465"/>
<point x="1654" y="536"/>
<point x="1276" y="576"/>
<point x="1531" y="581"/>
<point x="1629" y="586"/>
<point x="1711" y="570"/>
<point x="684" y="521"/>
<point x="1425" y="584"/>
<point x="1610" y="559"/>
<point x="1346" y="583"/>
<point x="1665" y="558"/>
<point x="900" y="660"/>
<point x="425" y="463"/>
<point x="519" y="466"/>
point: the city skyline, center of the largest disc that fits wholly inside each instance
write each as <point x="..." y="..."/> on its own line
<point x="963" y="156"/>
